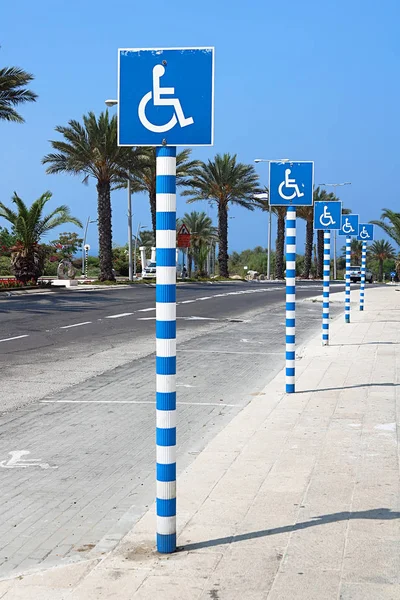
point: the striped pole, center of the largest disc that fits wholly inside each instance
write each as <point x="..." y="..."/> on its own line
<point x="347" y="286"/>
<point x="325" y="290"/>
<point x="363" y="265"/>
<point x="166" y="348"/>
<point x="290" y="298"/>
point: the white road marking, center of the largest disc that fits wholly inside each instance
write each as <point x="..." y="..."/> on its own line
<point x="147" y="309"/>
<point x="130" y="402"/>
<point x="75" y="325"/>
<point x="186" y="302"/>
<point x="197" y="318"/>
<point x="146" y="319"/>
<point x="119" y="316"/>
<point x="17" y="337"/>
<point x="17" y="462"/>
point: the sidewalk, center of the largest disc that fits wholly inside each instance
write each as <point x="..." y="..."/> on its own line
<point x="296" y="499"/>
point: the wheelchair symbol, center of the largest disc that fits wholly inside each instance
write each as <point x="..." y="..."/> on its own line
<point x="326" y="218"/>
<point x="289" y="184"/>
<point x="156" y="94"/>
<point x="347" y="228"/>
<point x="364" y="234"/>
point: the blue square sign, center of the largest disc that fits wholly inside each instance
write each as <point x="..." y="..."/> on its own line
<point x="365" y="232"/>
<point x="349" y="225"/>
<point x="166" y="97"/>
<point x="291" y="183"/>
<point x="327" y="215"/>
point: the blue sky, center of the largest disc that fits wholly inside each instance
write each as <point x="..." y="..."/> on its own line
<point x="308" y="80"/>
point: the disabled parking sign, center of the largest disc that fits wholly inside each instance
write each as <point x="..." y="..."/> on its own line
<point x="365" y="232"/>
<point x="327" y="215"/>
<point x="291" y="183"/>
<point x="166" y="97"/>
<point x="349" y="225"/>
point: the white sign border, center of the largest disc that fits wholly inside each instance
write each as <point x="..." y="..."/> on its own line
<point x="212" y="48"/>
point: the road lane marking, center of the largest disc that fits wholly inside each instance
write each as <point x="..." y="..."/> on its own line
<point x="119" y="316"/>
<point x="131" y="402"/>
<point x="75" y="325"/>
<point x="186" y="301"/>
<point x="17" y="337"/>
<point x="146" y="309"/>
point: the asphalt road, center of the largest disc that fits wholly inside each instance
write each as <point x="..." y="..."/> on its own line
<point x="78" y="403"/>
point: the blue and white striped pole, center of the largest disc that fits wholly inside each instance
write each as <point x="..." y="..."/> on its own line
<point x="290" y="298"/>
<point x="166" y="348"/>
<point x="347" y="286"/>
<point x="363" y="266"/>
<point x="325" y="289"/>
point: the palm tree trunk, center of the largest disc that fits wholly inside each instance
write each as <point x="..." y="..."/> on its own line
<point x="105" y="233"/>
<point x="308" y="249"/>
<point x="223" y="239"/>
<point x="380" y="275"/>
<point x="152" y="198"/>
<point x="280" y="247"/>
<point x="320" y="254"/>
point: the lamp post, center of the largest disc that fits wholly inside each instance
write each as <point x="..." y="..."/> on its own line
<point x="135" y="250"/>
<point x="110" y="103"/>
<point x="334" y="185"/>
<point x="265" y="196"/>
<point x="84" y="243"/>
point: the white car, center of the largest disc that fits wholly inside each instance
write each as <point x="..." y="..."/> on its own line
<point x="355" y="274"/>
<point x="149" y="271"/>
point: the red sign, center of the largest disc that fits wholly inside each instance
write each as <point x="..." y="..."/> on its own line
<point x="183" y="240"/>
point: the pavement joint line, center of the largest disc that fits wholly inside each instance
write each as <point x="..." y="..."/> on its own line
<point x="17" y="337"/>
<point x="132" y="402"/>
<point x="76" y="325"/>
<point x="228" y="352"/>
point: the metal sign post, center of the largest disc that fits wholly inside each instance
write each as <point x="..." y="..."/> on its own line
<point x="291" y="185"/>
<point x="365" y="233"/>
<point x="87" y="248"/>
<point x="327" y="216"/>
<point x="166" y="99"/>
<point x="349" y="228"/>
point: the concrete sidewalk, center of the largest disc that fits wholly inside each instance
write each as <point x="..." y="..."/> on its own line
<point x="297" y="498"/>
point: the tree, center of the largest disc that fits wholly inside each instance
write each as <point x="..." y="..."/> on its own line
<point x="223" y="181"/>
<point x="307" y="214"/>
<point x="7" y="240"/>
<point x="143" y="177"/>
<point x="381" y="250"/>
<point x="67" y="244"/>
<point x="13" y="93"/>
<point x="29" y="226"/>
<point x="91" y="149"/>
<point x="202" y="234"/>
<point x="390" y="223"/>
<point x="280" y="212"/>
<point x="355" y="251"/>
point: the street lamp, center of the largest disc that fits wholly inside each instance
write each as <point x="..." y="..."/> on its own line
<point x="334" y="185"/>
<point x="265" y="196"/>
<point x="134" y="255"/>
<point x="110" y="103"/>
<point x="84" y="243"/>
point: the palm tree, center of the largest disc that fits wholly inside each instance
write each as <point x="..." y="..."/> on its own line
<point x="223" y="181"/>
<point x="143" y="177"/>
<point x="280" y="212"/>
<point x="202" y="234"/>
<point x="91" y="149"/>
<point x="392" y="227"/>
<point x="29" y="225"/>
<point x="381" y="250"/>
<point x="307" y="214"/>
<point x="13" y="92"/>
